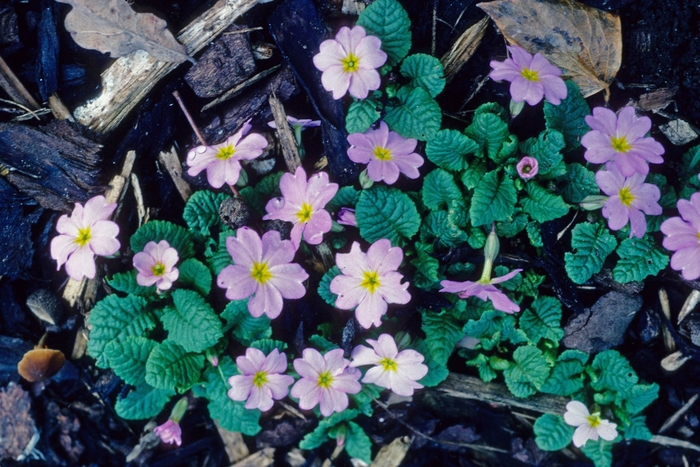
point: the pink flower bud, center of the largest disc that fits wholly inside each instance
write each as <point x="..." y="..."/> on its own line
<point x="527" y="167"/>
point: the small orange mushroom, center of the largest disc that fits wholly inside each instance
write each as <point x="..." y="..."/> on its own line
<point x="40" y="364"/>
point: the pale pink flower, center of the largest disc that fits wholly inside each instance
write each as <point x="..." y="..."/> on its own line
<point x="297" y="123"/>
<point x="619" y="140"/>
<point x="394" y="370"/>
<point x="85" y="233"/>
<point x="346" y="216"/>
<point x="349" y="62"/>
<point x="222" y="161"/>
<point x="169" y="432"/>
<point x="386" y="152"/>
<point x="302" y="204"/>
<point x="530" y="77"/>
<point x="156" y="265"/>
<point x="628" y="197"/>
<point x="263" y="269"/>
<point x="369" y="281"/>
<point x="683" y="237"/>
<point x="325" y="380"/>
<point x="589" y="426"/>
<point x="485" y="290"/>
<point x="261" y="381"/>
<point x="527" y="167"/>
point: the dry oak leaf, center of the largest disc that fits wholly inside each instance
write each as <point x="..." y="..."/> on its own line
<point x="585" y="43"/>
<point x="112" y="26"/>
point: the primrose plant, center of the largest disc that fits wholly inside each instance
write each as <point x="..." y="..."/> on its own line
<point x="195" y="312"/>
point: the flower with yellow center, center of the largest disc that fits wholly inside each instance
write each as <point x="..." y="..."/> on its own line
<point x="530" y="75"/>
<point x="156" y="265"/>
<point x="260" y="272"/>
<point x="304" y="214"/>
<point x="588" y="426"/>
<point x="351" y="63"/>
<point x="225" y="152"/>
<point x="325" y="380"/>
<point x="158" y="269"/>
<point x="370" y="281"/>
<point x="382" y="154"/>
<point x="83" y="237"/>
<point x="626" y="196"/>
<point x="262" y="380"/>
<point x="388" y="364"/>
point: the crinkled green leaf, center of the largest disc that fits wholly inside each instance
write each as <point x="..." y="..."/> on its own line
<point x="552" y="433"/>
<point x="637" y="429"/>
<point x="437" y="371"/>
<point x="593" y="243"/>
<point x="220" y="258"/>
<point x="202" y="212"/>
<point x="361" y="115"/>
<point x="509" y="331"/>
<point x="114" y="319"/>
<point x="473" y="175"/>
<point x="490" y="132"/>
<point x="546" y="149"/>
<point x="319" y="436"/>
<point x="231" y="415"/>
<point x="194" y="274"/>
<point x="569" y="117"/>
<point x="513" y="225"/>
<point x="600" y="452"/>
<point x="511" y="284"/>
<point x="346" y="197"/>
<point x="439" y="189"/>
<point x="438" y="225"/>
<point x="543" y="205"/>
<point x="383" y="212"/>
<point x="424" y="71"/>
<point x="154" y="231"/>
<point x="493" y="200"/>
<point x="363" y="400"/>
<point x="388" y="20"/>
<point x="257" y="197"/>
<point x="143" y="402"/>
<point x="610" y="370"/>
<point x="170" y="366"/>
<point x="577" y="183"/>
<point x="639" y="258"/>
<point x="191" y="323"/>
<point x="477" y="237"/>
<point x="357" y="443"/>
<point x="244" y="327"/>
<point x="427" y="274"/>
<point x="542" y="320"/>
<point x="128" y="358"/>
<point x="640" y="396"/>
<point x="457" y="212"/>
<point x="126" y="282"/>
<point x="528" y="372"/>
<point x="530" y="286"/>
<point x="442" y="332"/>
<point x="449" y="148"/>
<point x="534" y="234"/>
<point x="488" y="328"/>
<point x="268" y="345"/>
<point x="324" y="287"/>
<point x="414" y="114"/>
<point x="482" y="364"/>
<point x="567" y="375"/>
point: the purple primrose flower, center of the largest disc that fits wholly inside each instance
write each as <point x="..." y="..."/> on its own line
<point x="156" y="265"/>
<point x="683" y="237"/>
<point x="262" y="379"/>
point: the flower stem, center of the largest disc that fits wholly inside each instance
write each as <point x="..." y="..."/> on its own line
<point x="194" y="126"/>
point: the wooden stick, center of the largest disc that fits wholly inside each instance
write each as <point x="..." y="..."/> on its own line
<point x="14" y="87"/>
<point x="289" y="145"/>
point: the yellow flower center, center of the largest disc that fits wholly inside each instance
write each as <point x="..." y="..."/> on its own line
<point x="351" y="63"/>
<point x="388" y="364"/>
<point x="158" y="269"/>
<point x="594" y="420"/>
<point x="260" y="379"/>
<point x="84" y="236"/>
<point x="626" y="197"/>
<point x="530" y="75"/>
<point x="304" y="214"/>
<point x="225" y="152"/>
<point x="325" y="379"/>
<point x="370" y="281"/>
<point x="382" y="154"/>
<point x="620" y="144"/>
<point x="260" y="272"/>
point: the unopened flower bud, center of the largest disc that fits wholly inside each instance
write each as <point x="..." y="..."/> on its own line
<point x="365" y="182"/>
<point x="593" y="202"/>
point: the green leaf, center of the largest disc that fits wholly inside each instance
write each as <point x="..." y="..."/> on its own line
<point x="244" y="327"/>
<point x="569" y="117"/>
<point x="143" y="402"/>
<point x="473" y="175"/>
<point x="543" y="320"/>
<point x="593" y="244"/>
<point x="269" y="187"/>
<point x="202" y="212"/>
<point x="552" y="433"/>
<point x="364" y="399"/>
<point x="534" y="234"/>
<point x="128" y="358"/>
<point x="268" y="345"/>
<point x="482" y="364"/>
<point x="640" y="396"/>
<point x="442" y="332"/>
<point x="513" y="225"/>
<point x="546" y="149"/>
<point x="383" y="212"/>
<point x="542" y="205"/>
<point x="449" y="148"/>
<point x="578" y="182"/>
<point x="324" y="287"/>
<point x="191" y="323"/>
<point x="639" y="258"/>
<point x="439" y="189"/>
<point x="493" y="200"/>
<point x="567" y="375"/>
<point x="510" y="333"/>
<point x="320" y="434"/>
<point x="457" y="213"/>
<point x="114" y="319"/>
<point x="357" y="443"/>
<point x="388" y="20"/>
<point x="437" y="371"/>
<point x="600" y="452"/>
<point x="425" y="71"/>
<point x="361" y="115"/>
<point x="490" y="132"/>
<point x="155" y="231"/>
<point x="487" y="328"/>
<point x="414" y="114"/>
<point x="438" y="225"/>
<point x="610" y="370"/>
<point x="232" y="415"/>
<point x="219" y="259"/>
<point x="346" y="197"/>
<point x="126" y="282"/>
<point x="427" y="267"/>
<point x="171" y="366"/>
<point x="194" y="274"/>
<point x="528" y="372"/>
<point x="637" y="429"/>
<point x="531" y="284"/>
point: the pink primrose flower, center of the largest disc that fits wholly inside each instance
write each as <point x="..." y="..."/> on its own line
<point x="156" y="265"/>
<point x="261" y="381"/>
<point x="683" y="237"/>
<point x="369" y="281"/>
<point x="85" y="233"/>
<point x="346" y="216"/>
<point x="394" y="370"/>
<point x="527" y="167"/>
<point x="325" y="380"/>
<point x="222" y="161"/>
<point x="349" y="62"/>
<point x="588" y="426"/>
<point x="484" y="290"/>
<point x="530" y="77"/>
<point x="297" y="123"/>
<point x="263" y="269"/>
<point x="302" y="204"/>
<point x="628" y="197"/>
<point x="619" y="140"/>
<point x="169" y="432"/>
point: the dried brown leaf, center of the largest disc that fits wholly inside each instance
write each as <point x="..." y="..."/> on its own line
<point x="585" y="43"/>
<point x="112" y="26"/>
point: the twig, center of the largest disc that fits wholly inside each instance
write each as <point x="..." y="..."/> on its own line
<point x="194" y="126"/>
<point x="679" y="413"/>
<point x="679" y="443"/>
